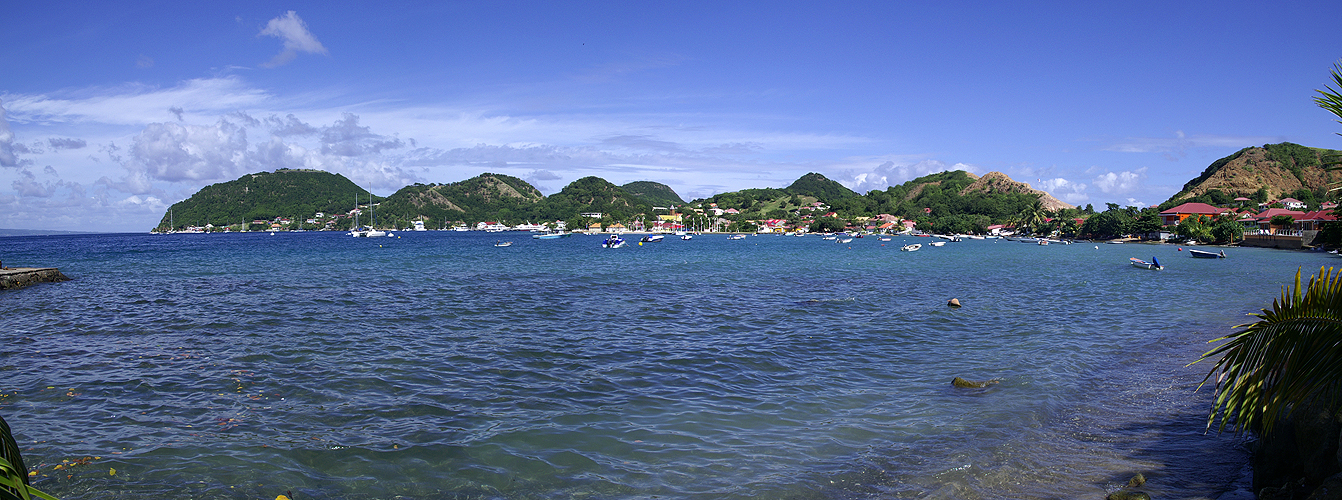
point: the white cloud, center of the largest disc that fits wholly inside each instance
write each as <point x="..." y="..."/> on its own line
<point x="347" y="138"/>
<point x="1120" y="182"/>
<point x="7" y="158"/>
<point x="294" y="32"/>
<point x="174" y="152"/>
<point x="892" y="173"/>
<point x="1174" y="147"/>
<point x="59" y="143"/>
<point x="134" y="105"/>
<point x="1065" y="190"/>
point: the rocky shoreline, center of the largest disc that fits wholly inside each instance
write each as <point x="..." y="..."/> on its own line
<point x="19" y="277"/>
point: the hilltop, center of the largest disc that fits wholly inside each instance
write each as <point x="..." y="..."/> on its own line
<point x="819" y="187"/>
<point x="479" y="198"/>
<point x="948" y="199"/>
<point x="997" y="182"/>
<point x="265" y="196"/>
<point x="1261" y="173"/>
<point x="655" y="193"/>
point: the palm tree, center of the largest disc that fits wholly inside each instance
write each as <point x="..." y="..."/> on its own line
<point x="1033" y="215"/>
<point x="1291" y="357"/>
<point x="1331" y="100"/>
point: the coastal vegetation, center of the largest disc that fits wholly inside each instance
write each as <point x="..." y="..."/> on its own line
<point x="949" y="202"/>
<point x="654" y="192"/>
<point x="265" y="196"/>
<point x="1281" y="376"/>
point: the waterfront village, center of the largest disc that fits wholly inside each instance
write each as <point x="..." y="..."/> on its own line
<point x="1284" y="223"/>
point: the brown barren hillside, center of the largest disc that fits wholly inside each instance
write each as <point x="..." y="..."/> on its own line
<point x="997" y="182"/>
<point x="1279" y="169"/>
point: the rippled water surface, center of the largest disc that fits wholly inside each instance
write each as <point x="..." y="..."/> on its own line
<point x="436" y="365"/>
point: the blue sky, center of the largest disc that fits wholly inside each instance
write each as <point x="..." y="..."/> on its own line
<point x="112" y="112"/>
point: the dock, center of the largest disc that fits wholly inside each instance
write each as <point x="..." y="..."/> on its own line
<point x="19" y="277"/>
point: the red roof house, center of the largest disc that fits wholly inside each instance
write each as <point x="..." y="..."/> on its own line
<point x="1175" y="215"/>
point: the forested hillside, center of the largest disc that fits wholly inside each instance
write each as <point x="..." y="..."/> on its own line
<point x="265" y="196"/>
<point x="654" y="192"/>
<point x="484" y="197"/>
<point x="948" y="201"/>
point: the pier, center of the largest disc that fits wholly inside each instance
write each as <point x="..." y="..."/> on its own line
<point x="19" y="277"/>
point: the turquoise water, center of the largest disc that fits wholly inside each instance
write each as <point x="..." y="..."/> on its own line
<point x="436" y="365"/>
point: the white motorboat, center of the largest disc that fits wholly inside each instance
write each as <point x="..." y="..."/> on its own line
<point x="911" y="248"/>
<point x="1154" y="265"/>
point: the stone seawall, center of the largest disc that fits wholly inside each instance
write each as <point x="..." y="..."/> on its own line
<point x="19" y="277"/>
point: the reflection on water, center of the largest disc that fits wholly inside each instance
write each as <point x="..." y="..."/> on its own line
<point x="437" y="365"/>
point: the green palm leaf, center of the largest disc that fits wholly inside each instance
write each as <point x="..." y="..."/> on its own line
<point x="1290" y="357"/>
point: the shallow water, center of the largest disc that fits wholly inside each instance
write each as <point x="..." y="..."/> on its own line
<point x="436" y="365"/>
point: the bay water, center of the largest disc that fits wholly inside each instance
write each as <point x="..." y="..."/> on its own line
<point x="437" y="365"/>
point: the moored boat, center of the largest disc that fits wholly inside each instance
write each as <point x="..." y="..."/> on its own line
<point x="503" y="244"/>
<point x="911" y="248"/>
<point x="1154" y="265"/>
<point x="1203" y="254"/>
<point x="613" y="241"/>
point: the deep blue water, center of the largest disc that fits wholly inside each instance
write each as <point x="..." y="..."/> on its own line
<point x="436" y="365"/>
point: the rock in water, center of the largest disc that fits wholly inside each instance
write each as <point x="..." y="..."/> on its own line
<point x="971" y="384"/>
<point x="1128" y="495"/>
<point x="1137" y="480"/>
<point x="953" y="303"/>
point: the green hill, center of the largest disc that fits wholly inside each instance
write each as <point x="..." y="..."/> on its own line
<point x="593" y="194"/>
<point x="265" y="196"/>
<point x="655" y="193"/>
<point x="820" y="188"/>
<point x="486" y="197"/>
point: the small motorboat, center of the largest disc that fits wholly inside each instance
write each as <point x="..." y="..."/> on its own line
<point x="846" y="240"/>
<point x="613" y="241"/>
<point x="686" y="237"/>
<point x="503" y="244"/>
<point x="736" y="236"/>
<point x="1203" y="254"/>
<point x="911" y="248"/>
<point x="1154" y="265"/>
<point x="938" y="243"/>
<point x="883" y="238"/>
<point x="651" y="238"/>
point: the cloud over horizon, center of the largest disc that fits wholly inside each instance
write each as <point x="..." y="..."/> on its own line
<point x="294" y="32"/>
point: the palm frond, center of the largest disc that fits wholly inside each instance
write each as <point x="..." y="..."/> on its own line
<point x="1290" y="357"/>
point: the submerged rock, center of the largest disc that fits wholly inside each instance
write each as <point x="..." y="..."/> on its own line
<point x="1137" y="480"/>
<point x="1128" y="495"/>
<point x="971" y="384"/>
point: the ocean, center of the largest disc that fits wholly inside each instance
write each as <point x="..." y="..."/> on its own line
<point x="436" y="365"/>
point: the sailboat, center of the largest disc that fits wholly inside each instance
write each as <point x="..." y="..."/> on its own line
<point x="356" y="232"/>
